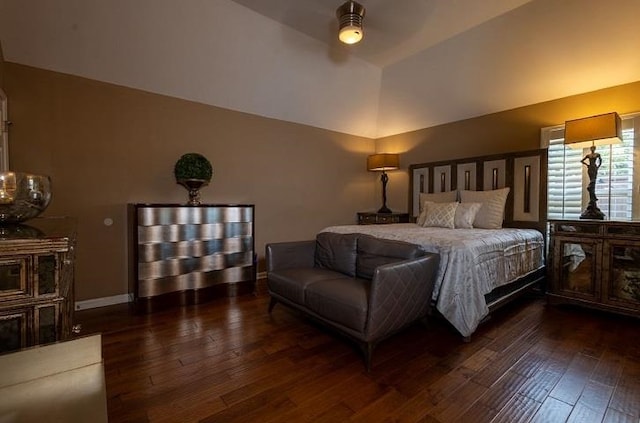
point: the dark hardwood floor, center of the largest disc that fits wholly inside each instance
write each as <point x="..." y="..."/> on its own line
<point x="229" y="361"/>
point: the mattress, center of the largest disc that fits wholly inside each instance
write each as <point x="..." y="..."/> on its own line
<point x="473" y="262"/>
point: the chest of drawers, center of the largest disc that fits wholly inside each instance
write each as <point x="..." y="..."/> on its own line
<point x="36" y="282"/>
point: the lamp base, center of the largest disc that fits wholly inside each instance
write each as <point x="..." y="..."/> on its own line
<point x="385" y="210"/>
<point x="592" y="212"/>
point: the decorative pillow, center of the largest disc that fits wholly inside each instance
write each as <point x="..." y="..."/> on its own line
<point x="441" y="215"/>
<point x="491" y="214"/>
<point x="437" y="197"/>
<point x="423" y="212"/>
<point x="434" y="197"/>
<point x="466" y="214"/>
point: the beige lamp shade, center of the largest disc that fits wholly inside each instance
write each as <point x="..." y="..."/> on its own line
<point x="383" y="162"/>
<point x="595" y="130"/>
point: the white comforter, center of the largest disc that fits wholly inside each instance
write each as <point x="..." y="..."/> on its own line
<point x="472" y="263"/>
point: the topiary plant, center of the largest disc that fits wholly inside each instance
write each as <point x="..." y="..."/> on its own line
<point x="193" y="166"/>
<point x="193" y="171"/>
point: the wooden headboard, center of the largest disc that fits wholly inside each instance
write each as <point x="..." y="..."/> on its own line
<point x="524" y="172"/>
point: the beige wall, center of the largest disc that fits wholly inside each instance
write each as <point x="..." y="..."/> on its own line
<point x="511" y="130"/>
<point x="105" y="146"/>
<point x="1" y="67"/>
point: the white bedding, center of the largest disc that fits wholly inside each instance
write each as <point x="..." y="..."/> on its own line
<point x="472" y="263"/>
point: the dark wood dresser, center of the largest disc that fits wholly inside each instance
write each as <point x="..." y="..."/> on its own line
<point x="36" y="282"/>
<point x="595" y="263"/>
<point x="183" y="254"/>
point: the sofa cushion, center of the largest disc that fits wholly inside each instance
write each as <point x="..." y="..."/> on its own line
<point x="336" y="252"/>
<point x="343" y="301"/>
<point x="291" y="283"/>
<point x="374" y="252"/>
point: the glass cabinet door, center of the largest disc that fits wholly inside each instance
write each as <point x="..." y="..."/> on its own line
<point x="46" y="323"/>
<point x="622" y="273"/>
<point x="13" y="277"/>
<point x="46" y="274"/>
<point x="576" y="264"/>
<point x="13" y="330"/>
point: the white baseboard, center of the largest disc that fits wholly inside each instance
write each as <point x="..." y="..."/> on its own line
<point x="103" y="302"/>
<point x="119" y="299"/>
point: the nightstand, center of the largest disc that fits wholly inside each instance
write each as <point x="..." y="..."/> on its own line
<point x="372" y="218"/>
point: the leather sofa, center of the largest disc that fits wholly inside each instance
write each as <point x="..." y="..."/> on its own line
<point x="364" y="287"/>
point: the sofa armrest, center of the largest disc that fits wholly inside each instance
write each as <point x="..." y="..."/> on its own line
<point x="290" y="255"/>
<point x="400" y="294"/>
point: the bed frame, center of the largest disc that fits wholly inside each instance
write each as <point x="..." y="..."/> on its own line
<point x="526" y="207"/>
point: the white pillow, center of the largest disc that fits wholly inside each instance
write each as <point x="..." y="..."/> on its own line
<point x="466" y="214"/>
<point x="491" y="214"/>
<point x="440" y="215"/>
<point x="423" y="213"/>
<point x="437" y="197"/>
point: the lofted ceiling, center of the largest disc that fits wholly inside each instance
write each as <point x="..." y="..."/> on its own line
<point x="394" y="29"/>
<point x="448" y="60"/>
<point x="421" y="63"/>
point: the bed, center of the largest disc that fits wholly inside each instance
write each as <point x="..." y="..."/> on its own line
<point x="483" y="267"/>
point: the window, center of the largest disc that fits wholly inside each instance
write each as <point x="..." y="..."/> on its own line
<point x="567" y="176"/>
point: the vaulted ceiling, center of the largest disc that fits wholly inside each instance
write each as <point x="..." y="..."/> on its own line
<point x="394" y="30"/>
<point x="421" y="63"/>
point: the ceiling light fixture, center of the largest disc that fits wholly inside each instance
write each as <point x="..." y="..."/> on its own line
<point x="350" y="16"/>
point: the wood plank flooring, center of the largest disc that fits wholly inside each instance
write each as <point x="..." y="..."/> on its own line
<point x="229" y="361"/>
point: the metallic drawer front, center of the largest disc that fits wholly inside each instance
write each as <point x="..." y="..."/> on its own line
<point x="193" y="280"/>
<point x="158" y="251"/>
<point x="152" y="216"/>
<point x="184" y="248"/>
<point x="186" y="232"/>
<point x="181" y="265"/>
